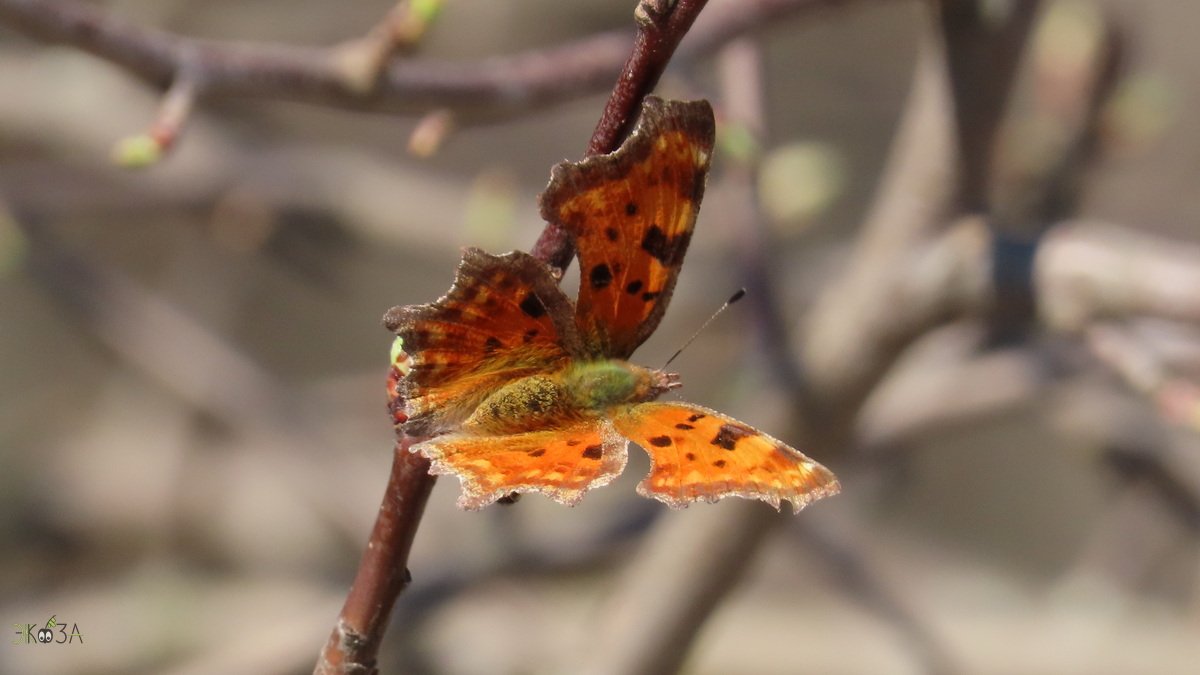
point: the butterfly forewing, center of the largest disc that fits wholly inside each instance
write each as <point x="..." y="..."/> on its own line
<point x="632" y="213"/>
<point x="505" y="317"/>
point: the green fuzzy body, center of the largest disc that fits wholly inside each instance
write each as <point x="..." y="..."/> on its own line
<point x="577" y="392"/>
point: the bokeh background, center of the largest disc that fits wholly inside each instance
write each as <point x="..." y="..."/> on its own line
<point x="193" y="438"/>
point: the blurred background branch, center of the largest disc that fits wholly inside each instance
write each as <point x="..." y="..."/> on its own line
<point x="362" y="74"/>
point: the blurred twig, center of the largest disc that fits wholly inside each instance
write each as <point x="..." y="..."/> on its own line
<point x="318" y="75"/>
<point x="158" y="339"/>
<point x="1175" y="398"/>
<point x="859" y="325"/>
<point x="147" y="148"/>
<point x="686" y="566"/>
<point x="982" y="55"/>
<point x="1045" y="194"/>
<point x="363" y="61"/>
<point x="1091" y="271"/>
<point x="1139" y="465"/>
<point x="851" y="568"/>
<point x="914" y="194"/>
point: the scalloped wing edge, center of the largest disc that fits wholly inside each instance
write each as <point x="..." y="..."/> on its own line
<point x="474" y="497"/>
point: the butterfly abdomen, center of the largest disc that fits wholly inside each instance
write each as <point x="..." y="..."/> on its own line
<point x="528" y="404"/>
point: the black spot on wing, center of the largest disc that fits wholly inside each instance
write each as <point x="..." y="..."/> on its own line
<point x="655" y="243"/>
<point x="611" y="233"/>
<point x="533" y="307"/>
<point x="491" y="345"/>
<point x="600" y="276"/>
<point x="634" y="286"/>
<point x="593" y="452"/>
<point x="660" y="441"/>
<point x="667" y="250"/>
<point x="631" y="209"/>
<point x="537" y="453"/>
<point x="729" y="434"/>
<point x="684" y="427"/>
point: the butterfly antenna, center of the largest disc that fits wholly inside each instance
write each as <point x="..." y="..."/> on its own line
<point x="732" y="299"/>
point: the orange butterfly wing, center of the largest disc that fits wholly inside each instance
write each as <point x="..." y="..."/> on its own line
<point x="700" y="454"/>
<point x="561" y="463"/>
<point x="504" y="318"/>
<point x="632" y="213"/>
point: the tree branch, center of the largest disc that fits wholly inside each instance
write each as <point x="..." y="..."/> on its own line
<point x="982" y="59"/>
<point x="317" y="75"/>
<point x="383" y="572"/>
<point x="655" y="611"/>
<point x="660" y="28"/>
<point x="667" y="592"/>
<point x="355" y="640"/>
<point x="915" y="194"/>
<point x="364" y="60"/>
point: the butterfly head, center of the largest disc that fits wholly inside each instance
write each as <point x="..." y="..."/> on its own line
<point x="662" y="382"/>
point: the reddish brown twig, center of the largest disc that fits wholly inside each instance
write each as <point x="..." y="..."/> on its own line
<point x="314" y="75"/>
<point x="383" y="572"/>
<point x="661" y="25"/>
<point x="147" y="148"/>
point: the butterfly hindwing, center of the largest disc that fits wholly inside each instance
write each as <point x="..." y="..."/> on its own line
<point x="632" y="213"/>
<point x="561" y="463"/>
<point x="504" y="317"/>
<point x="700" y="454"/>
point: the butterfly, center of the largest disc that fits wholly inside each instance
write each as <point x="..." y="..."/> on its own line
<point x="517" y="389"/>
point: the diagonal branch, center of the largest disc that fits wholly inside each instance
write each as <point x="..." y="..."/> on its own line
<point x="382" y="573"/>
<point x="660" y="28"/>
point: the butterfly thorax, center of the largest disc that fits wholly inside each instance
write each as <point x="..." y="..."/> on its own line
<point x="599" y="385"/>
<point x="580" y="390"/>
